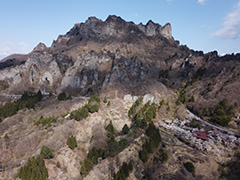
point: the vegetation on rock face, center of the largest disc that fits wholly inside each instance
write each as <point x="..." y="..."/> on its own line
<point x="112" y="148"/>
<point x="94" y="99"/>
<point x="34" y="169"/>
<point x="135" y="104"/>
<point x="46" y="152"/>
<point x="3" y="85"/>
<point x="124" y="171"/>
<point x="182" y="97"/>
<point x="143" y="155"/>
<point x="154" y="139"/>
<point x="82" y="112"/>
<point x="72" y="142"/>
<point x="46" y="121"/>
<point x="125" y="129"/>
<point x="194" y="124"/>
<point x="63" y="97"/>
<point x="58" y="164"/>
<point x="153" y="133"/>
<point x="110" y="130"/>
<point x="93" y="107"/>
<point x="123" y="143"/>
<point x="163" y="155"/>
<point x="145" y="114"/>
<point x="230" y="170"/>
<point x="105" y="99"/>
<point x="163" y="73"/>
<point x="190" y="167"/>
<point x="27" y="100"/>
<point x="222" y="114"/>
<point x="150" y="147"/>
<point x="92" y="158"/>
<point x="6" y="138"/>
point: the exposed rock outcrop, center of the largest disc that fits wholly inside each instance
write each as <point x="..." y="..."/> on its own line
<point x="40" y="47"/>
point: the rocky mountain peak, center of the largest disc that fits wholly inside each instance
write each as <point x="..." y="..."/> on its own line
<point x="93" y="19"/>
<point x="153" y="29"/>
<point x="40" y="47"/>
<point x="167" y="31"/>
<point x="113" y="26"/>
<point x="114" y="18"/>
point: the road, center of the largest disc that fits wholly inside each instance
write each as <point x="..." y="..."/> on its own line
<point x="191" y="116"/>
<point x="10" y="95"/>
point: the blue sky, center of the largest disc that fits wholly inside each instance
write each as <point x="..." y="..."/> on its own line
<point x="201" y="24"/>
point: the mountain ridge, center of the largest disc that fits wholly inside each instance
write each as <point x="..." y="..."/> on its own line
<point x="122" y="93"/>
<point x="97" y="54"/>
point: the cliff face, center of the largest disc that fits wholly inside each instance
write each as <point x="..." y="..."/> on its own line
<point x="97" y="55"/>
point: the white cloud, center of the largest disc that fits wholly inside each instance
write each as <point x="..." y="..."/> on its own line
<point x="231" y="25"/>
<point x="201" y="1"/>
<point x="13" y="48"/>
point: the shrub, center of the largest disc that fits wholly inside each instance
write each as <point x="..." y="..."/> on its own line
<point x="194" y="124"/>
<point x="125" y="129"/>
<point x="221" y="120"/>
<point x="86" y="167"/>
<point x="72" y="142"/>
<point x="162" y="102"/>
<point x="58" y="164"/>
<point x="110" y="130"/>
<point x="123" y="172"/>
<point x="135" y="104"/>
<point x="150" y="146"/>
<point x="92" y="158"/>
<point x="4" y="84"/>
<point x="94" y="154"/>
<point x="123" y="143"/>
<point x="190" y="167"/>
<point x="93" y="107"/>
<point x="112" y="148"/>
<point x="105" y="99"/>
<point x="6" y="138"/>
<point x="145" y="114"/>
<point x="163" y="155"/>
<point x="182" y="97"/>
<point x="153" y="133"/>
<point x="222" y="114"/>
<point x="150" y="113"/>
<point x="94" y="99"/>
<point x="34" y="169"/>
<point x="143" y="155"/>
<point x="46" y="152"/>
<point x="80" y="113"/>
<point x="46" y="121"/>
<point x="63" y="97"/>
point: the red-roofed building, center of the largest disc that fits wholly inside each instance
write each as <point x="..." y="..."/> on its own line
<point x="200" y="135"/>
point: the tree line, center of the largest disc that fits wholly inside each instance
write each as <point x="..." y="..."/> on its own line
<point x="27" y="100"/>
